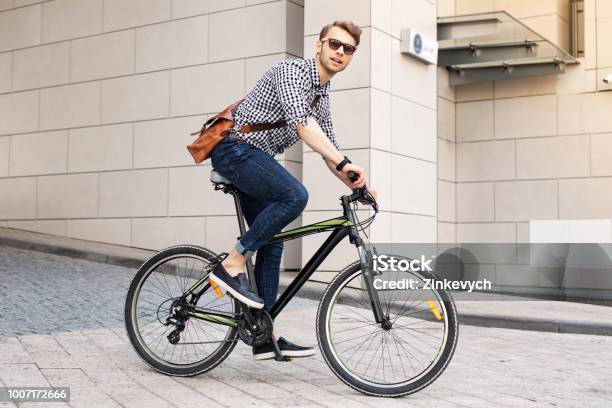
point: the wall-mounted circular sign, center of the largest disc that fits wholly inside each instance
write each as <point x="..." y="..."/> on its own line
<point x="418" y="43"/>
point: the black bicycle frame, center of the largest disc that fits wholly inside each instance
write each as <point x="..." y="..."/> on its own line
<point x="340" y="227"/>
<point x="308" y="269"/>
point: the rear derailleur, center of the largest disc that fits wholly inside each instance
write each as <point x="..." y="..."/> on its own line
<point x="178" y="319"/>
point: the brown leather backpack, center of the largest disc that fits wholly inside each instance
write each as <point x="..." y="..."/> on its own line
<point x="219" y="126"/>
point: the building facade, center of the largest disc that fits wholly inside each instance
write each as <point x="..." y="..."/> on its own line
<point x="98" y="97"/>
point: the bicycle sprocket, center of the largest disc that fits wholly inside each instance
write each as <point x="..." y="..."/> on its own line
<point x="259" y="336"/>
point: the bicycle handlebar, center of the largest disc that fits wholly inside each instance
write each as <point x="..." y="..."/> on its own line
<point x="353" y="177"/>
<point x="362" y="192"/>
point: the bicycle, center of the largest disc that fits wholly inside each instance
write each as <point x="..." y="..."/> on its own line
<point x="171" y="308"/>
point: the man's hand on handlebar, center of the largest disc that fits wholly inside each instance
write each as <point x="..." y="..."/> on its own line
<point x="355" y="177"/>
<point x="359" y="171"/>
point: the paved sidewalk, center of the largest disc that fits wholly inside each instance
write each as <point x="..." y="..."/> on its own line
<point x="62" y="324"/>
<point x="550" y="316"/>
<point x="491" y="368"/>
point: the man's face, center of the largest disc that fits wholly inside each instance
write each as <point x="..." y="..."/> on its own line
<point x="334" y="60"/>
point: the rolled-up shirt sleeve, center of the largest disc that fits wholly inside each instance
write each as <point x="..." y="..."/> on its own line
<point x="292" y="84"/>
<point x="327" y="127"/>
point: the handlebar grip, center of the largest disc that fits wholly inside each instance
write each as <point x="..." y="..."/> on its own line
<point x="352" y="175"/>
<point x="361" y="191"/>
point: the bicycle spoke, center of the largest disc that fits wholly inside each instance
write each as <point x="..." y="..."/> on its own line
<point x="352" y="328"/>
<point x="346" y="319"/>
<point x="396" y="354"/>
<point x="416" y="337"/>
<point x="408" y="344"/>
<point x="403" y="348"/>
<point x="364" y="354"/>
<point x="356" y="349"/>
<point x="164" y="296"/>
<point x="166" y="283"/>
<point x="161" y="297"/>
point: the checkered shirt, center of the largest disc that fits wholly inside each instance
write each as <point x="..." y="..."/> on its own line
<point x="284" y="92"/>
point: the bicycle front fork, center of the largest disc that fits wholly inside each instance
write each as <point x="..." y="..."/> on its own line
<point x="367" y="269"/>
<point x="368" y="278"/>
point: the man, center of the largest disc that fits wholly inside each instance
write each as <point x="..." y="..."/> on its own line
<point x="270" y="196"/>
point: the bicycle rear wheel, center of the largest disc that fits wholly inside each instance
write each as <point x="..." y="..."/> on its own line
<point x="161" y="331"/>
<point x="397" y="358"/>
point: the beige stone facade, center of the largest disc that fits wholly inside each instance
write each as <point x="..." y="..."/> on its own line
<point x="527" y="149"/>
<point x="97" y="99"/>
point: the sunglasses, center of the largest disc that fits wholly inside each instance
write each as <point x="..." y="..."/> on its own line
<point x="335" y="44"/>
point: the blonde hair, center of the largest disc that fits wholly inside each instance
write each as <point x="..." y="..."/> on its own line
<point x="347" y="25"/>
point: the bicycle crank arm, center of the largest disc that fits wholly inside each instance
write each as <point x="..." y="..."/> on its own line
<point x="278" y="355"/>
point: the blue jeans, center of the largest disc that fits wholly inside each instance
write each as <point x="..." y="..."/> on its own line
<point x="270" y="198"/>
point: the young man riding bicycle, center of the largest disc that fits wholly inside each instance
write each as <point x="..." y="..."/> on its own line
<point x="270" y="196"/>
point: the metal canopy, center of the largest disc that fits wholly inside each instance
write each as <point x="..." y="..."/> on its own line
<point x="495" y="46"/>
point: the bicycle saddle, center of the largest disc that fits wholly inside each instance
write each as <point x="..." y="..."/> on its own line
<point x="217" y="178"/>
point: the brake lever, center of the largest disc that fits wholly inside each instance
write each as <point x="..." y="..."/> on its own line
<point x="369" y="199"/>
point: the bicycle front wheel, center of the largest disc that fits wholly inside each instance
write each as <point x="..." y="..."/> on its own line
<point x="399" y="357"/>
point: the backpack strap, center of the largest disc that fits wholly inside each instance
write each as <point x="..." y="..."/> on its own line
<point x="257" y="127"/>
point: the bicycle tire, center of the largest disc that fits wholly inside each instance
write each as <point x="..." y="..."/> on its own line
<point x="367" y="387"/>
<point x="142" y="350"/>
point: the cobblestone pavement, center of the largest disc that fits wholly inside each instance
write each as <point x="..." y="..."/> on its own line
<point x="491" y="367"/>
<point x="44" y="292"/>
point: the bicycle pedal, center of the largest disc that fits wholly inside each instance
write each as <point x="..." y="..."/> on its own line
<point x="216" y="288"/>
